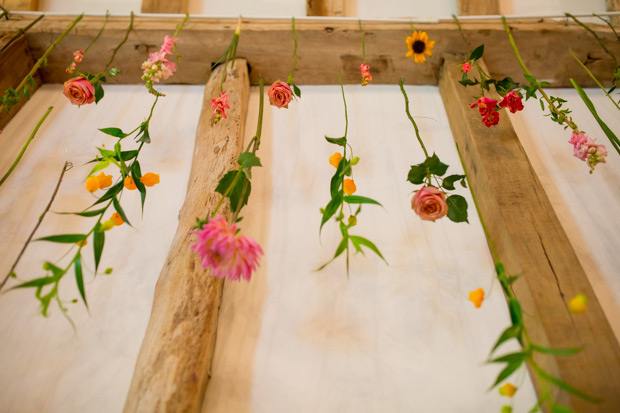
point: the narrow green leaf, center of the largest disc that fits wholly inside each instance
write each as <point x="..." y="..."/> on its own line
<point x="457" y="208"/>
<point x="477" y="53"/>
<point x="110" y="193"/>
<point x="341" y="247"/>
<point x="336" y="182"/>
<point x="86" y="214"/>
<point x="510" y="358"/>
<point x="79" y="279"/>
<point x="101" y="165"/>
<point x="366" y="243"/>
<point x="296" y="91"/>
<point x="64" y="239"/>
<point x="507" y="334"/>
<point x="98" y="242"/>
<point x="98" y="92"/>
<point x="508" y="370"/>
<point x="119" y="209"/>
<point x="556" y="408"/>
<point x="515" y="311"/>
<point x="143" y="135"/>
<point x="556" y="351"/>
<point x="564" y="386"/>
<point x="357" y="199"/>
<point x="136" y="173"/>
<point x="116" y="132"/>
<point x="37" y="282"/>
<point x="330" y="209"/>
<point x="337" y="141"/>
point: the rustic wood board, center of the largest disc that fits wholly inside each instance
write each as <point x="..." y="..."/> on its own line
<point x="324" y="47"/>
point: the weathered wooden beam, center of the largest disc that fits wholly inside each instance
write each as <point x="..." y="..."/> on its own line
<point x="532" y="242"/>
<point x="21" y="5"/>
<point x="15" y="63"/>
<point x="173" y="366"/>
<point x="477" y="7"/>
<point x="333" y="8"/>
<point x="324" y="48"/>
<point x="614" y="5"/>
<point x="165" y="6"/>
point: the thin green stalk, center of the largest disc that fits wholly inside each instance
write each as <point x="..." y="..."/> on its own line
<point x="401" y="83"/>
<point x="107" y="66"/>
<point x="552" y="107"/>
<point x="5" y="13"/>
<point x="412" y="27"/>
<point x="290" y="77"/>
<point x="231" y="54"/>
<point x="92" y="42"/>
<point x="346" y="116"/>
<point x="611" y="26"/>
<point x="594" y="78"/>
<point x="598" y="39"/>
<point x="458" y="25"/>
<point x="20" y="31"/>
<point x="363" y="42"/>
<point x="21" y="153"/>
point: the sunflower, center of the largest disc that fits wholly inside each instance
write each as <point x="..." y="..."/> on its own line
<point x="418" y="44"/>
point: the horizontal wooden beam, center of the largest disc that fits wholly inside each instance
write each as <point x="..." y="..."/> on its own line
<point x="532" y="242"/>
<point x="325" y="46"/>
<point x="173" y="367"/>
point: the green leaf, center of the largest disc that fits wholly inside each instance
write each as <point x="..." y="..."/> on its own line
<point x="125" y="155"/>
<point x="435" y="166"/>
<point x="247" y="160"/>
<point x="143" y="135"/>
<point x="417" y="174"/>
<point x="477" y="53"/>
<point x="110" y="193"/>
<point x="505" y="85"/>
<point x="101" y="165"/>
<point x="79" y="279"/>
<point x="86" y="214"/>
<point x="516" y="314"/>
<point x="236" y="179"/>
<point x="64" y="239"/>
<point x="98" y="242"/>
<point x="511" y="332"/>
<point x="356" y="199"/>
<point x="337" y="179"/>
<point x="337" y="141"/>
<point x="98" y="92"/>
<point x="116" y="132"/>
<point x="448" y="181"/>
<point x="296" y="91"/>
<point x="556" y="351"/>
<point x="564" y="386"/>
<point x="508" y="370"/>
<point x="119" y="209"/>
<point x="608" y="132"/>
<point x="457" y="208"/>
<point x="330" y="209"/>
<point x="37" y="282"/>
<point x="341" y="247"/>
<point x="355" y="239"/>
<point x="511" y="358"/>
<point x="136" y="173"/>
<point x="556" y="408"/>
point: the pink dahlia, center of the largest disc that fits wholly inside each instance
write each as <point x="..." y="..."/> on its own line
<point x="229" y="255"/>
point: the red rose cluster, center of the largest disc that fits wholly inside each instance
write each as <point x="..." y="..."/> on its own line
<point x="489" y="108"/>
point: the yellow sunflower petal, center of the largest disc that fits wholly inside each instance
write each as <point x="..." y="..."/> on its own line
<point x="428" y="52"/>
<point x="430" y="44"/>
<point x="424" y="37"/>
<point x="409" y="40"/>
<point x="409" y="53"/>
<point x="422" y="58"/>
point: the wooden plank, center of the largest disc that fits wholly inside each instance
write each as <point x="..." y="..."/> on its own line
<point x="15" y="64"/>
<point x="21" y="5"/>
<point x="531" y="241"/>
<point x="614" y="5"/>
<point x="324" y="48"/>
<point x="333" y="8"/>
<point x="477" y="7"/>
<point x="173" y="366"/>
<point x="165" y="6"/>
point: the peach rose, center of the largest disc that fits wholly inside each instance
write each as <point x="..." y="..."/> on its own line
<point x="79" y="91"/>
<point x="429" y="203"/>
<point x="280" y="94"/>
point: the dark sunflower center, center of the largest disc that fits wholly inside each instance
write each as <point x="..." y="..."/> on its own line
<point x="419" y="46"/>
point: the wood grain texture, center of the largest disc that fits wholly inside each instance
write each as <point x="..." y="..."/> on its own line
<point x="531" y="241"/>
<point x="15" y="64"/>
<point x="165" y="6"/>
<point x="333" y="8"/>
<point x="324" y="48"/>
<point x="477" y="7"/>
<point x="614" y="5"/>
<point x="21" y="5"/>
<point x="172" y="370"/>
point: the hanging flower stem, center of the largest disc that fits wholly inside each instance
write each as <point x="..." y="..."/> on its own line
<point x="230" y="54"/>
<point x="105" y="23"/>
<point x="23" y="150"/>
<point x="290" y="77"/>
<point x="20" y="31"/>
<point x="598" y="39"/>
<point x="107" y="66"/>
<point x="363" y="42"/>
<point x="458" y="25"/>
<point x="415" y="126"/>
<point x="593" y="78"/>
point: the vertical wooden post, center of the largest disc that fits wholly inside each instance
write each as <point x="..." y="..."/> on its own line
<point x="165" y="6"/>
<point x="477" y="7"/>
<point x="21" y="5"/>
<point x="172" y="370"/>
<point x="614" y="5"/>
<point x="15" y="64"/>
<point x="531" y="241"/>
<point x="332" y="8"/>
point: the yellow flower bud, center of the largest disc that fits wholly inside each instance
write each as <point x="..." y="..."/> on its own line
<point x="129" y="183"/>
<point x="507" y="390"/>
<point x="92" y="184"/>
<point x="334" y="160"/>
<point x="107" y="225"/>
<point x="578" y="304"/>
<point x="476" y="297"/>
<point x="82" y="243"/>
<point x="352" y="220"/>
<point x="117" y="219"/>
<point x="104" y="180"/>
<point x="349" y="186"/>
<point x="150" y="179"/>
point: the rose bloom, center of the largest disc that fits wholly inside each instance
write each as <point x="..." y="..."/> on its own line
<point x="429" y="203"/>
<point x="466" y="67"/>
<point x="280" y="94"/>
<point x="79" y="91"/>
<point x="513" y="101"/>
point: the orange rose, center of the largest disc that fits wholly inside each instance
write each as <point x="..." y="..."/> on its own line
<point x="429" y="203"/>
<point x="79" y="91"/>
<point x="280" y="94"/>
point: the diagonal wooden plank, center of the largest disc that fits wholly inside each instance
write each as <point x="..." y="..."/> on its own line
<point x="173" y="366"/>
<point x="165" y="6"/>
<point x="532" y="241"/>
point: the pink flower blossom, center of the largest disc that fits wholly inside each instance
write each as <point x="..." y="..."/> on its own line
<point x="513" y="101"/>
<point x="466" y="67"/>
<point x="429" y="203"/>
<point x="157" y="66"/>
<point x="229" y="255"/>
<point x="219" y="106"/>
<point x="78" y="55"/>
<point x="366" y="76"/>
<point x="166" y="47"/>
<point x="491" y="118"/>
<point x="485" y="105"/>
<point x="280" y="94"/>
<point x="586" y="149"/>
<point x="79" y="90"/>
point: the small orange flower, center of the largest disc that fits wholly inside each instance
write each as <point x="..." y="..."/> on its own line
<point x="129" y="183"/>
<point x="104" y="180"/>
<point x="507" y="390"/>
<point x="82" y="243"/>
<point x="578" y="304"/>
<point x="334" y="160"/>
<point x="118" y="220"/>
<point x="92" y="184"/>
<point x="150" y="179"/>
<point x="476" y="297"/>
<point x="349" y="186"/>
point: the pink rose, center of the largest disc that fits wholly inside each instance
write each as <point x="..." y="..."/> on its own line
<point x="280" y="94"/>
<point x="79" y="91"/>
<point x="513" y="101"/>
<point x="429" y="203"/>
<point x="466" y="67"/>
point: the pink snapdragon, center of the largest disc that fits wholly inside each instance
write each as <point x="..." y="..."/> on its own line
<point x="586" y="149"/>
<point x="219" y="106"/>
<point x="157" y="66"/>
<point x="229" y="255"/>
<point x="366" y="76"/>
<point x="77" y="58"/>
